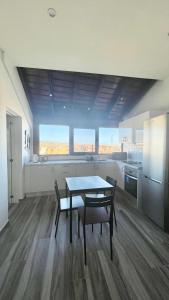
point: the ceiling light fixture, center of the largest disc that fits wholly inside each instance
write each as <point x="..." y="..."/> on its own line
<point x="51" y="12"/>
<point x="64" y="107"/>
<point x="50" y="95"/>
<point x="88" y="108"/>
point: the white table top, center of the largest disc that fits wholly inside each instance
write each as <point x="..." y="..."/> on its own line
<point x="87" y="183"/>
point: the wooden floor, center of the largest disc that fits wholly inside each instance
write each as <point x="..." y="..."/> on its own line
<point x="33" y="265"/>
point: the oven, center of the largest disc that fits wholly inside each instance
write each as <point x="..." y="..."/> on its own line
<point x="130" y="180"/>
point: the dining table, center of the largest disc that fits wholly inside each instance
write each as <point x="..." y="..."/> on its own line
<point x="84" y="184"/>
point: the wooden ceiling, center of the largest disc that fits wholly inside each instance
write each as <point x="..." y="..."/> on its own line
<point x="73" y="97"/>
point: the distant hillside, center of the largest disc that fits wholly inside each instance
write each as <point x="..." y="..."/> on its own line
<point x="63" y="148"/>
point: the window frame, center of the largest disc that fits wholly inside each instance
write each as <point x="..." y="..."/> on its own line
<point x="72" y="141"/>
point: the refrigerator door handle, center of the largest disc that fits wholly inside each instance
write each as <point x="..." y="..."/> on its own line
<point x="157" y="181"/>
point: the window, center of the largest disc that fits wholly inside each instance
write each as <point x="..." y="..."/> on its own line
<point x="53" y="139"/>
<point x="84" y="140"/>
<point x="109" y="140"/>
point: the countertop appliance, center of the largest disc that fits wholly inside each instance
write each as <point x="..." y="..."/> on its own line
<point x="155" y="192"/>
<point x="35" y="158"/>
<point x="119" y="156"/>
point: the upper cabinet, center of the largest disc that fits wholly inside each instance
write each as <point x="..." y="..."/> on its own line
<point x="131" y="130"/>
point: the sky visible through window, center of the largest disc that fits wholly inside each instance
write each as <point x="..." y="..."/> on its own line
<point x="109" y="136"/>
<point x="54" y="139"/>
<point x="109" y="140"/>
<point x="54" y="133"/>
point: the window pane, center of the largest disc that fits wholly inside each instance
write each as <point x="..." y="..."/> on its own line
<point x="53" y="139"/>
<point x="109" y="140"/>
<point x="84" y="140"/>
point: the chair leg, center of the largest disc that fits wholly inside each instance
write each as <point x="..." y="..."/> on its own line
<point x="114" y="215"/>
<point x="111" y="246"/>
<point x="78" y="226"/>
<point x="84" y="235"/>
<point x="57" y="224"/>
<point x="101" y="228"/>
<point x="92" y="227"/>
<point x="56" y="215"/>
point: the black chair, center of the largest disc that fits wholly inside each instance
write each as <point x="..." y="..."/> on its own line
<point x="94" y="212"/>
<point x="113" y="182"/>
<point x="64" y="204"/>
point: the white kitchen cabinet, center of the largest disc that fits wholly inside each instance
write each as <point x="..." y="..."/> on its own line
<point x="62" y="171"/>
<point x="40" y="178"/>
<point x="85" y="169"/>
<point x="113" y="169"/>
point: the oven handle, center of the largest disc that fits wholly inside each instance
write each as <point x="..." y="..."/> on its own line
<point x="132" y="177"/>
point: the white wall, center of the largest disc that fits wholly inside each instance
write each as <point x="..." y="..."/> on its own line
<point x="136" y="122"/>
<point x="157" y="98"/>
<point x="13" y="99"/>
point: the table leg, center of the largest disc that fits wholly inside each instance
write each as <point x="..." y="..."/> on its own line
<point x="66" y="189"/>
<point x="114" y="213"/>
<point x="70" y="217"/>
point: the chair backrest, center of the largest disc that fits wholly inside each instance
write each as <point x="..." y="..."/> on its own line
<point x="112" y="181"/>
<point x="104" y="201"/>
<point x="98" y="201"/>
<point x="57" y="192"/>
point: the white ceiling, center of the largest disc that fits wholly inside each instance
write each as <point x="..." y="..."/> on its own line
<point x="118" y="37"/>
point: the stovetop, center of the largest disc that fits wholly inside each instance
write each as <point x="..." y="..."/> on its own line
<point x="132" y="162"/>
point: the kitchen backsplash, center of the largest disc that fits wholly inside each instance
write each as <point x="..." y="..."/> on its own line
<point x="134" y="152"/>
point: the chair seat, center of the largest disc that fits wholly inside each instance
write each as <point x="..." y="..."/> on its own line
<point x="77" y="202"/>
<point x="95" y="195"/>
<point x="94" y="215"/>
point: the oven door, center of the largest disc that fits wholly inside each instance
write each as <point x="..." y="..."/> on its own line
<point x="131" y="184"/>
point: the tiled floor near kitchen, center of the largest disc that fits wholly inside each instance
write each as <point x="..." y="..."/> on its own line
<point x="33" y="265"/>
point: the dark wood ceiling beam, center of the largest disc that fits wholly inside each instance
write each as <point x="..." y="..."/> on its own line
<point x="146" y="85"/>
<point x="36" y="77"/>
<point x="74" y="91"/>
<point x="22" y="75"/>
<point x="51" y="91"/>
<point x="115" y="97"/>
<point x="87" y="83"/>
<point x="99" y="85"/>
<point x="32" y="89"/>
<point x="62" y="80"/>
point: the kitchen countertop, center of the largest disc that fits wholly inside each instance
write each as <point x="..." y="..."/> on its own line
<point x="56" y="162"/>
<point x="83" y="161"/>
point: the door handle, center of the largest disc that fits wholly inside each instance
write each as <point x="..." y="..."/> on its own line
<point x="154" y="180"/>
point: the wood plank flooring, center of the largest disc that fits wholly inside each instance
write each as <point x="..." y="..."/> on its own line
<point x="33" y="265"/>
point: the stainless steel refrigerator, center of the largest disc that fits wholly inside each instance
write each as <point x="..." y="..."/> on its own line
<point x="155" y="192"/>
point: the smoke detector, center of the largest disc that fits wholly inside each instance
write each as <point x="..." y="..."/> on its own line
<point x="51" y="12"/>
